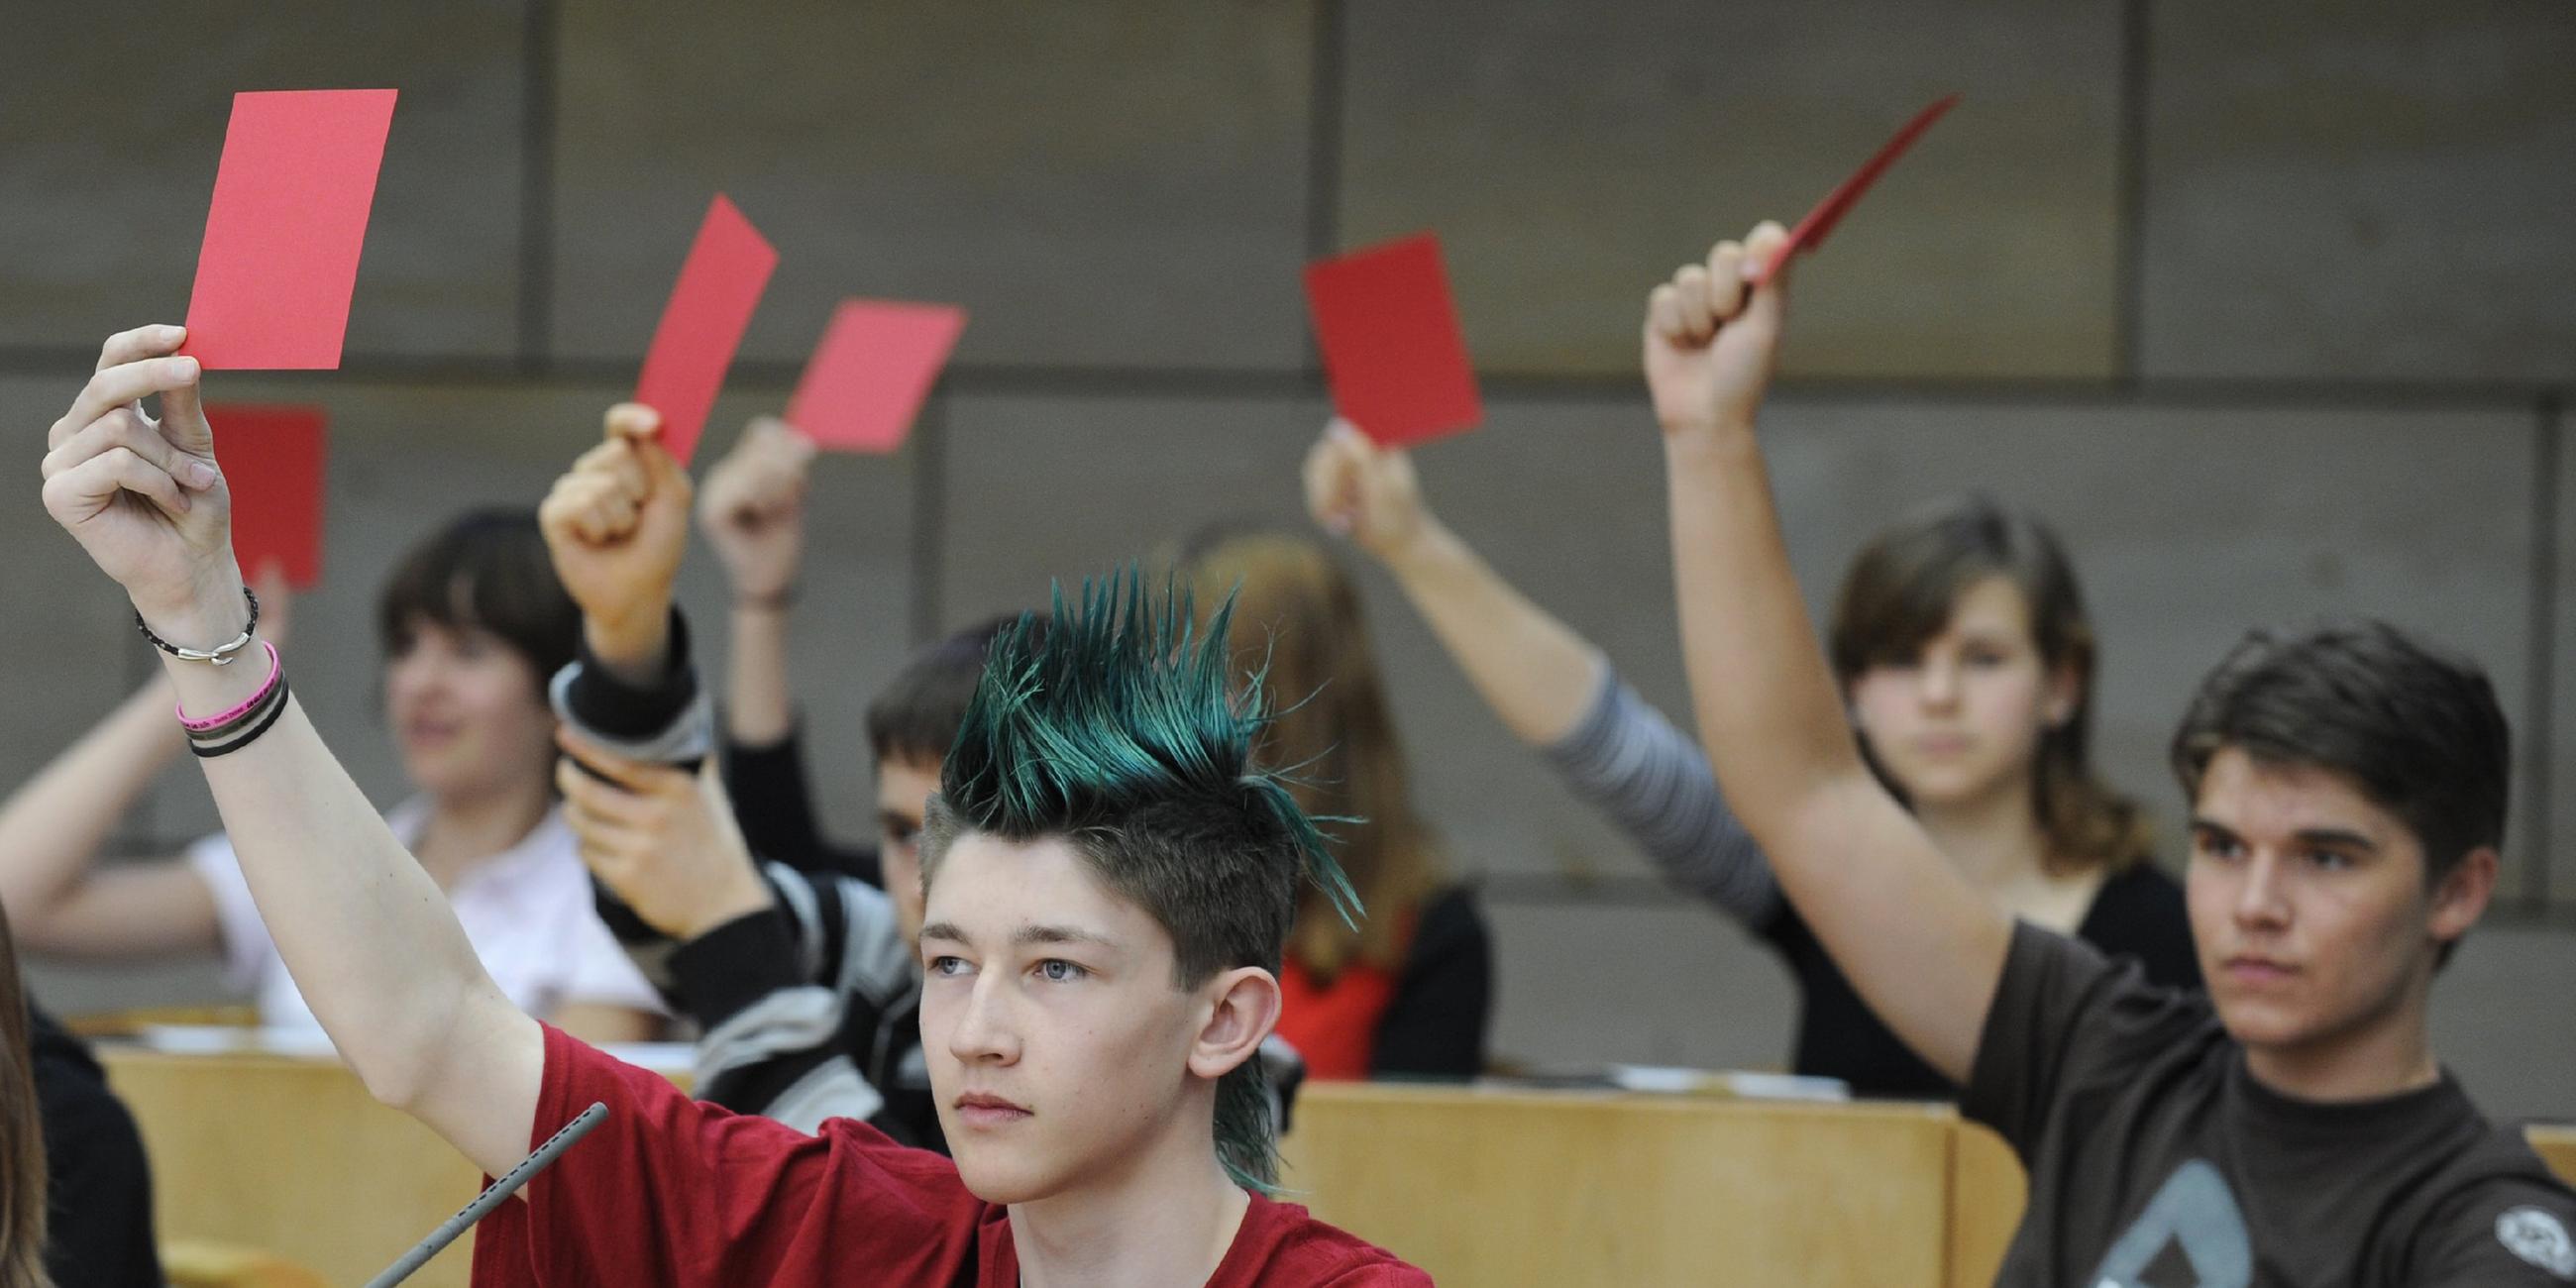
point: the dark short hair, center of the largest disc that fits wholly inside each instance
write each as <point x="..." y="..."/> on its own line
<point x="2416" y="729"/>
<point x="487" y="570"/>
<point x="916" y="715"/>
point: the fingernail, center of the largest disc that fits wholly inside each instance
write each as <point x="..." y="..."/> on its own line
<point x="187" y="368"/>
<point x="198" y="474"/>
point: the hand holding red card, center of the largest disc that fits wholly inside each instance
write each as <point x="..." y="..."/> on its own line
<point x="1811" y="231"/>
<point x="289" y="218"/>
<point x="1393" y="351"/>
<point x="273" y="459"/>
<point x="720" y="285"/>
<point x="868" y="377"/>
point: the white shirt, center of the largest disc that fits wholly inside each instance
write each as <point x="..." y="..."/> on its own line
<point x="527" y="911"/>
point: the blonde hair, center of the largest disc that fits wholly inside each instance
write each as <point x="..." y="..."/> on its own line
<point x="1297" y="614"/>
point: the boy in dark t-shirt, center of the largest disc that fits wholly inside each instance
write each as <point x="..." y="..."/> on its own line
<point x="2348" y="797"/>
<point x="1108" y="885"/>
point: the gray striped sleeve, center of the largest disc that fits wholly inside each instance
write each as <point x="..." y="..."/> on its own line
<point x="1627" y="760"/>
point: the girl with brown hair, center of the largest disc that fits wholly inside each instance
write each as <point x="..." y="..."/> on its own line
<point x="1408" y="991"/>
<point x="1967" y="663"/>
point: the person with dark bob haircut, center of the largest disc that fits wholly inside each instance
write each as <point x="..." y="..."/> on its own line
<point x="2289" y="1128"/>
<point x="1967" y="662"/>
<point x="472" y="623"/>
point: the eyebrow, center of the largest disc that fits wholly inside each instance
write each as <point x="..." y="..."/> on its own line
<point x="2312" y="836"/>
<point x="1025" y="935"/>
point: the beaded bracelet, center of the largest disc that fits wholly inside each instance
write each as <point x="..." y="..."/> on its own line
<point x="218" y="726"/>
<point x="221" y="654"/>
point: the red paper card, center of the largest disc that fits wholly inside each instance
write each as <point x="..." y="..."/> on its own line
<point x="867" y="378"/>
<point x="1810" y="232"/>
<point x="1393" y="352"/>
<point x="280" y="258"/>
<point x="720" y="284"/>
<point x="272" y="458"/>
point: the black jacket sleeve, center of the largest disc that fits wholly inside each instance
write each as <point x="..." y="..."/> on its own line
<point x="773" y="802"/>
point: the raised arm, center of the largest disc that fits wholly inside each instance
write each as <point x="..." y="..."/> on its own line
<point x="753" y="513"/>
<point x="1533" y="670"/>
<point x="1550" y="686"/>
<point x="53" y="828"/>
<point x="366" y="934"/>
<point x="1921" y="946"/>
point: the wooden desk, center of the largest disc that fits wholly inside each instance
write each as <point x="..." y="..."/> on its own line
<point x="292" y="1156"/>
<point x="1570" y="1188"/>
<point x="1481" y="1187"/>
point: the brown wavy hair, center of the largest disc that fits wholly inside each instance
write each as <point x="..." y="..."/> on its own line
<point x="1900" y="592"/>
<point x="22" y="1136"/>
<point x="1333" y="737"/>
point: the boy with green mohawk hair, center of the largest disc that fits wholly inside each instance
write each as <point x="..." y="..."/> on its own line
<point x="1106" y="900"/>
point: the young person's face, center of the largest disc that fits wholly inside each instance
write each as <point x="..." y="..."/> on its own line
<point x="2308" y="904"/>
<point x="1061" y="1053"/>
<point x="904" y="787"/>
<point x="466" y="714"/>
<point x="1966" y="715"/>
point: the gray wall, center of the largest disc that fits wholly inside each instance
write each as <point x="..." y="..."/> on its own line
<point x="2273" y="310"/>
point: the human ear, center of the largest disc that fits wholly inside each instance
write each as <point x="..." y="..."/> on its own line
<point x="1239" y="1007"/>
<point x="2462" y="896"/>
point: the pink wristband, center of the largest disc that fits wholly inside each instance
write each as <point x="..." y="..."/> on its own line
<point x="216" y="722"/>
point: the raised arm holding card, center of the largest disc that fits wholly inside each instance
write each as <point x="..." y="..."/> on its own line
<point x="1919" y="942"/>
<point x="362" y="928"/>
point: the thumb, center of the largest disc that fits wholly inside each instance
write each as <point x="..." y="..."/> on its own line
<point x="1769" y="300"/>
<point x="640" y="427"/>
<point x="183" y="416"/>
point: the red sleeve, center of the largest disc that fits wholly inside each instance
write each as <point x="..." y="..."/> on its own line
<point x="669" y="1190"/>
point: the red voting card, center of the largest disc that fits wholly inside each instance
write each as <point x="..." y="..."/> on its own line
<point x="1393" y="352"/>
<point x="280" y="258"/>
<point x="272" y="458"/>
<point x="1810" y="232"/>
<point x="867" y="378"/>
<point x="720" y="284"/>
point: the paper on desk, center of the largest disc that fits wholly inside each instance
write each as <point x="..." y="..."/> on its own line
<point x="1672" y="1081"/>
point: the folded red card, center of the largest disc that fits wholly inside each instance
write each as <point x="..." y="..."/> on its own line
<point x="1393" y="352"/>
<point x="1810" y="232"/>
<point x="867" y="378"/>
<point x="280" y="258"/>
<point x="720" y="284"/>
<point x="272" y="458"/>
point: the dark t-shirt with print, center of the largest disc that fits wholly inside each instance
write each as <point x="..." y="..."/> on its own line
<point x="2157" y="1161"/>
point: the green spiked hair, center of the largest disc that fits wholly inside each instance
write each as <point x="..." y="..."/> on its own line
<point x="1115" y="727"/>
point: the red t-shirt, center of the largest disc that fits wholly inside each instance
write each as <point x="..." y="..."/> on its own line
<point x="670" y="1190"/>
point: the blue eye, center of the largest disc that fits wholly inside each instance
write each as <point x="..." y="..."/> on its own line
<point x="1059" y="971"/>
<point x="2329" y="860"/>
<point x="950" y="966"/>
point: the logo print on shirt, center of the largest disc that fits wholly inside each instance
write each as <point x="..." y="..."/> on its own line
<point x="2195" y="1214"/>
<point x="2538" y="1237"/>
